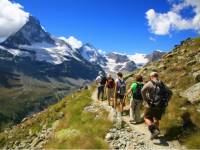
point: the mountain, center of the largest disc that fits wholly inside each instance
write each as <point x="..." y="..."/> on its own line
<point x="37" y="70"/>
<point x="90" y="53"/>
<point x="32" y="32"/>
<point x="118" y="62"/>
<point x="155" y="56"/>
<point x="114" y="62"/>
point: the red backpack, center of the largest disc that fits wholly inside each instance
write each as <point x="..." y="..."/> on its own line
<point x="110" y="83"/>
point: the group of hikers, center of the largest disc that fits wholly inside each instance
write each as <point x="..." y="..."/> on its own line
<point x="154" y="94"/>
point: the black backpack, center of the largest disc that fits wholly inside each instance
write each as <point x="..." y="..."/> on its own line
<point x="103" y="80"/>
<point x="137" y="94"/>
<point x="161" y="95"/>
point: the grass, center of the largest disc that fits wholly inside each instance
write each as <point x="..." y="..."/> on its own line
<point x="181" y="120"/>
<point x="79" y="129"/>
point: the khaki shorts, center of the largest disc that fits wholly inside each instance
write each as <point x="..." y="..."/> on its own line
<point x="110" y="93"/>
<point x="153" y="112"/>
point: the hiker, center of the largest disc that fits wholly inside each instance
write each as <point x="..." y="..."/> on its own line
<point x="100" y="81"/>
<point x="156" y="95"/>
<point x="110" y="85"/>
<point x="120" y="91"/>
<point x="136" y="100"/>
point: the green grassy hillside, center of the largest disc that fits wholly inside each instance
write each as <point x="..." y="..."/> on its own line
<point x="72" y="126"/>
<point x="179" y="69"/>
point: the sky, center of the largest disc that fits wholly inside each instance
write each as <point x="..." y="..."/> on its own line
<point x="125" y="26"/>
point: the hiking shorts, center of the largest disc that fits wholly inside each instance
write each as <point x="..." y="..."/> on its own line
<point x="120" y="97"/>
<point x="153" y="112"/>
<point x="110" y="93"/>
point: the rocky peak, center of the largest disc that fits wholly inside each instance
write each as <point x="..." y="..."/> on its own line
<point x="90" y="53"/>
<point x="156" y="55"/>
<point x="32" y="32"/>
<point x="119" y="58"/>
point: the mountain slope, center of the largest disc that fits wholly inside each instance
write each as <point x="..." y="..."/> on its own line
<point x="180" y="70"/>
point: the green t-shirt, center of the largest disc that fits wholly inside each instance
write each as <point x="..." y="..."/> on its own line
<point x="134" y="85"/>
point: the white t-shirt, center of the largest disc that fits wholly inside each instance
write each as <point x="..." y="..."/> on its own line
<point x="98" y="80"/>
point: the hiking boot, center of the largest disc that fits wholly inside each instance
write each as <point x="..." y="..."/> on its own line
<point x="155" y="134"/>
<point x="154" y="131"/>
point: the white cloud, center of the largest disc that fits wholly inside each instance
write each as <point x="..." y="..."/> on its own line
<point x="72" y="41"/>
<point x="164" y="23"/>
<point x="12" y="18"/>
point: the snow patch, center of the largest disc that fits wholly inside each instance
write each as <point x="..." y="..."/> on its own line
<point x="138" y="58"/>
<point x="72" y="41"/>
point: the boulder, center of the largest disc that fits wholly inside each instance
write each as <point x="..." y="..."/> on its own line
<point x="192" y="94"/>
<point x="109" y="136"/>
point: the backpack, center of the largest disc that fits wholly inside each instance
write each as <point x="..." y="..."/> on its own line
<point x="121" y="86"/>
<point x="103" y="80"/>
<point x="110" y="83"/>
<point x="161" y="95"/>
<point x="137" y="93"/>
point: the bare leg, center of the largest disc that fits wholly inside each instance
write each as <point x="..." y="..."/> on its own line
<point x="121" y="106"/>
<point x="148" y="121"/>
<point x="156" y="122"/>
<point x="115" y="102"/>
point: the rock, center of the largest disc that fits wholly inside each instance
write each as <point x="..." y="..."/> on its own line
<point x="192" y="62"/>
<point x="55" y="124"/>
<point x="109" y="136"/>
<point x="25" y="119"/>
<point x="196" y="76"/>
<point x="36" y="141"/>
<point x="192" y="94"/>
<point x="183" y="108"/>
<point x="61" y="115"/>
<point x="169" y="55"/>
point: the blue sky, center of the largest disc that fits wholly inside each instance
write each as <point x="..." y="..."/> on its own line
<point x="110" y="25"/>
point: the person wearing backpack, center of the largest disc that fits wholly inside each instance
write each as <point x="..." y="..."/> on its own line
<point x="156" y="95"/>
<point x="110" y="85"/>
<point x="136" y="101"/>
<point x="120" y="91"/>
<point x="101" y="81"/>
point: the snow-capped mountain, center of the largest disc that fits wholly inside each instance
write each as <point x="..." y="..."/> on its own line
<point x="118" y="62"/>
<point x="31" y="33"/>
<point x="114" y="62"/>
<point x="65" y="56"/>
<point x="38" y="44"/>
<point x="90" y="53"/>
<point x="33" y="44"/>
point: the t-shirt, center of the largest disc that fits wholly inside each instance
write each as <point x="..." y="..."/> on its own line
<point x="99" y="80"/>
<point x="134" y="85"/>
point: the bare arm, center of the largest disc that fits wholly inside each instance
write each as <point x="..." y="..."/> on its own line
<point x="129" y="91"/>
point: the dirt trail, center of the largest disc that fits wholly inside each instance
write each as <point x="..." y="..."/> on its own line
<point x="160" y="143"/>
